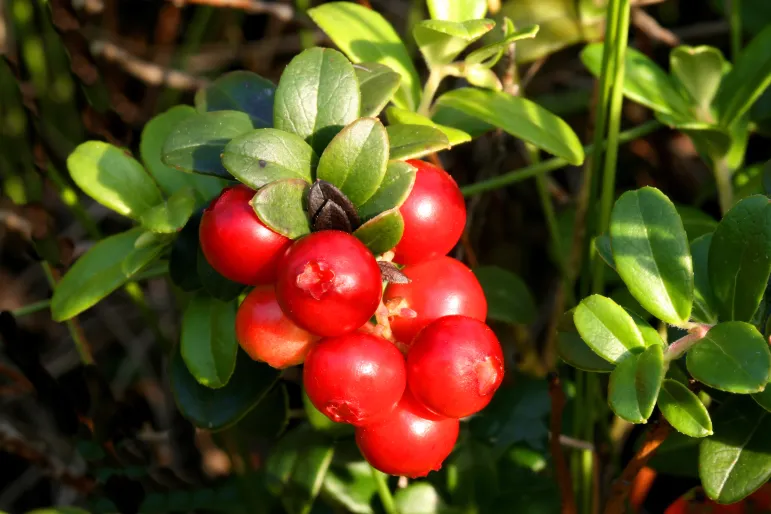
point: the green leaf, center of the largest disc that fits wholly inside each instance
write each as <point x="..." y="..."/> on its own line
<point x="183" y="258"/>
<point x="695" y="221"/>
<point x="170" y="180"/>
<point x="604" y="250"/>
<point x="644" y="81"/>
<point x="634" y="385"/>
<point x="493" y="51"/>
<point x="519" y="117"/>
<point x="265" y="155"/>
<point x="171" y="215"/>
<point x="607" y="328"/>
<point x="349" y="482"/>
<point x="270" y="418"/>
<point x="413" y="141"/>
<point x="458" y="120"/>
<point x="382" y="232"/>
<point x="710" y="140"/>
<point x="317" y="96"/>
<point x="196" y="143"/>
<point x="215" y="284"/>
<point x="457" y="10"/>
<point x="573" y="350"/>
<point x="508" y="297"/>
<point x="208" y="340"/>
<point x="649" y="334"/>
<point x="319" y="421"/>
<point x="101" y="270"/>
<point x="365" y="36"/>
<point x="732" y="357"/>
<point x="748" y="78"/>
<point x="401" y="116"/>
<point x="419" y="498"/>
<point x="113" y="178"/>
<point x="763" y="398"/>
<point x="281" y="206"/>
<point x="736" y="460"/>
<point x="239" y="91"/>
<point x="650" y="248"/>
<point x="683" y="409"/>
<point x="355" y="160"/>
<point x="377" y="85"/>
<point x="478" y="75"/>
<point x="440" y="41"/>
<point x="703" y="300"/>
<point x="393" y="191"/>
<point x="216" y="409"/>
<point x="699" y="70"/>
<point x="740" y="258"/>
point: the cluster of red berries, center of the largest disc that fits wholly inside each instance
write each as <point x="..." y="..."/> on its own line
<point x="314" y="301"/>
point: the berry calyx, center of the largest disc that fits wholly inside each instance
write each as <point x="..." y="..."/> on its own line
<point x="356" y="378"/>
<point x="454" y="366"/>
<point x="266" y="334"/>
<point x="236" y="243"/>
<point x="438" y="288"/>
<point x="434" y="216"/>
<point x="328" y="283"/>
<point x="410" y="442"/>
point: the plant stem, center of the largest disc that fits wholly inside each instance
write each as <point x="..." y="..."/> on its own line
<point x="386" y="498"/>
<point x="552" y="164"/>
<point x="725" y="192"/>
<point x="32" y="308"/>
<point x="429" y="90"/>
<point x="685" y="343"/>
<point x="81" y="345"/>
<point x="555" y="428"/>
<point x="735" y="19"/>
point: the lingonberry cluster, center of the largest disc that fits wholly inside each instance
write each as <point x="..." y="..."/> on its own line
<point x="402" y="365"/>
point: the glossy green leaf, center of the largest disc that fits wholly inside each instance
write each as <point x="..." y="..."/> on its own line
<point x="419" y="498"/>
<point x="445" y="116"/>
<point x="413" y="141"/>
<point x="101" y="270"/>
<point x="269" y="419"/>
<point x="683" y="410"/>
<point x="266" y="155"/>
<point x="573" y="350"/>
<point x="736" y="460"/>
<point x="479" y="76"/>
<point x="748" y="78"/>
<point x="216" y="409"/>
<point x="215" y="284"/>
<point x="489" y="52"/>
<point x="508" y="297"/>
<point x="170" y="180"/>
<point x="604" y="250"/>
<point x="695" y="221"/>
<point x="440" y="41"/>
<point x="356" y="159"/>
<point x="519" y="117"/>
<point x="732" y="357"/>
<point x="365" y="36"/>
<point x="644" y="81"/>
<point x="763" y="398"/>
<point x="239" y="91"/>
<point x="650" y="248"/>
<point x="740" y="258"/>
<point x="382" y="232"/>
<point x="704" y="303"/>
<point x="699" y="70"/>
<point x="183" y="258"/>
<point x="457" y="10"/>
<point x="377" y="84"/>
<point x="171" y="215"/>
<point x="208" y="340"/>
<point x="393" y="191"/>
<point x="349" y="482"/>
<point x="634" y="385"/>
<point x="607" y="328"/>
<point x="113" y="178"/>
<point x="403" y="116"/>
<point x="649" y="334"/>
<point x="281" y="206"/>
<point x="196" y="143"/>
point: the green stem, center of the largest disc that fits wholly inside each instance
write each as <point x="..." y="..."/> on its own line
<point x="386" y="498"/>
<point x="32" y="308"/>
<point x="552" y="164"/>
<point x="77" y="337"/>
<point x="725" y="192"/>
<point x="429" y="90"/>
<point x="735" y="19"/>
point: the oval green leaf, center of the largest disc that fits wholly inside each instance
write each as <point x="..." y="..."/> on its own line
<point x="740" y="258"/>
<point x="650" y="248"/>
<point x="519" y="117"/>
<point x="171" y="215"/>
<point x="457" y="10"/>
<point x="699" y="70"/>
<point x="393" y="191"/>
<point x="402" y="116"/>
<point x="440" y="41"/>
<point x="281" y="206"/>
<point x="382" y="232"/>
<point x="763" y="398"/>
<point x="683" y="410"/>
<point x="113" y="178"/>
<point x="649" y="334"/>
<point x="239" y="90"/>
<point x="183" y="258"/>
<point x="508" y="297"/>
<point x="317" y="96"/>
<point x="266" y="155"/>
<point x="573" y="350"/>
<point x="607" y="328"/>
<point x="634" y="385"/>
<point x="695" y="221"/>
<point x="365" y="36"/>
<point x="490" y="52"/>
<point x="732" y="357"/>
<point x="377" y="84"/>
<point x="215" y="284"/>
<point x="704" y="310"/>
<point x="413" y="141"/>
<point x="356" y="159"/>
<point x="604" y="250"/>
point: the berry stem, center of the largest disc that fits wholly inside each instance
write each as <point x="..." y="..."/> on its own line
<point x="386" y="498"/>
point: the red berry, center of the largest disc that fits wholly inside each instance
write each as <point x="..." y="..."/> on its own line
<point x="266" y="334"/>
<point x="236" y="243"/>
<point x="410" y="442"/>
<point x="329" y="283"/>
<point x="454" y="366"/>
<point x="356" y="378"/>
<point x="434" y="216"/>
<point x="438" y="288"/>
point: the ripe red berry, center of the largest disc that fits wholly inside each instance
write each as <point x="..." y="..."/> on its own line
<point x="355" y="378"/>
<point x="236" y="243"/>
<point x="329" y="283"/>
<point x="410" y="442"/>
<point x="438" y="288"/>
<point x="454" y="366"/>
<point x="434" y="216"/>
<point x="266" y="334"/>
